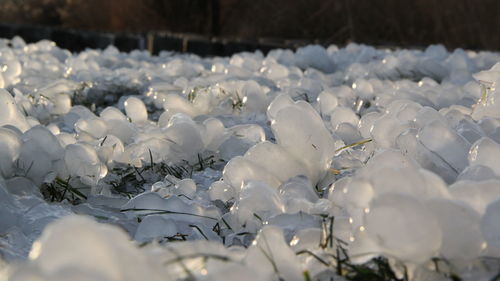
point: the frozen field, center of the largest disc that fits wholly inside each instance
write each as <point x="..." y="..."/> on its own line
<point x="321" y="164"/>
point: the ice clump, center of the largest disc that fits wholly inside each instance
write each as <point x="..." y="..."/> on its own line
<point x="485" y="152"/>
<point x="96" y="128"/>
<point x="41" y="154"/>
<point x="117" y="258"/>
<point x="450" y="146"/>
<point x="490" y="227"/>
<point x="270" y="242"/>
<point x="306" y="151"/>
<point x="10" y="145"/>
<point x="152" y="227"/>
<point x="83" y="162"/>
<point x="462" y="238"/>
<point x="403" y="228"/>
<point x="136" y="110"/>
<point x="257" y="200"/>
<point x="478" y="194"/>
<point x="10" y="114"/>
<point x="314" y="56"/>
<point x="299" y="130"/>
<point x="8" y="214"/>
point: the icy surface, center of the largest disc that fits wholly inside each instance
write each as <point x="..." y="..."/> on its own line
<point x="314" y="164"/>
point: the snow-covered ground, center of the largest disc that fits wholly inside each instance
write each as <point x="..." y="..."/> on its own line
<point x="319" y="164"/>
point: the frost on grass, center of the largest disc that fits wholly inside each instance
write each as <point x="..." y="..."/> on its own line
<point x="321" y="164"/>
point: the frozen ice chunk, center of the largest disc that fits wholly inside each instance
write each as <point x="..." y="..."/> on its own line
<point x="238" y="171"/>
<point x="469" y="130"/>
<point x="485" y="152"/>
<point x="254" y="98"/>
<point x="33" y="162"/>
<point x="38" y="215"/>
<point x="490" y="225"/>
<point x="66" y="138"/>
<point x="362" y="247"/>
<point x="220" y="190"/>
<point x="343" y="115"/>
<point x="10" y="145"/>
<point x="489" y="76"/>
<point x="213" y="134"/>
<point x="257" y="200"/>
<point x="488" y="109"/>
<point x="251" y="132"/>
<point x="76" y="113"/>
<point x="275" y="71"/>
<point x="225" y="271"/>
<point x="358" y="193"/>
<point x="112" y="113"/>
<point x="82" y="161"/>
<point x="298" y="188"/>
<point x="10" y="114"/>
<point x="142" y="203"/>
<point x="186" y="187"/>
<point x="124" y="130"/>
<point x="176" y="104"/>
<point x="435" y="186"/>
<point x="432" y="68"/>
<point x="46" y="141"/>
<point x="403" y="228"/>
<point x="314" y="56"/>
<point x="98" y="250"/>
<point x="363" y="88"/>
<point x="408" y="143"/>
<point x="477" y="194"/>
<point x="291" y="223"/>
<point x="22" y="186"/>
<point x="437" y="52"/>
<point x="366" y="123"/>
<point x="443" y="141"/>
<point x="153" y="226"/>
<point x="281" y="101"/>
<point x="270" y="243"/>
<point x="460" y="229"/>
<point x="406" y="180"/>
<point x="427" y="115"/>
<point x="173" y="207"/>
<point x="241" y="139"/>
<point x="154" y="147"/>
<point x="40" y="152"/>
<point x="390" y="158"/>
<point x="306" y="239"/>
<point x="495" y="135"/>
<point x="327" y="101"/>
<point x="275" y="160"/>
<point x="299" y="130"/>
<point x="110" y="148"/>
<point x="9" y="214"/>
<point x="385" y="130"/>
<point x="15" y="246"/>
<point x="58" y="93"/>
<point x="136" y="110"/>
<point x="408" y="112"/>
<point x="348" y="133"/>
<point x="234" y="146"/>
<point x="96" y="128"/>
<point x="185" y="139"/>
<point x="11" y="71"/>
<point x="477" y="173"/>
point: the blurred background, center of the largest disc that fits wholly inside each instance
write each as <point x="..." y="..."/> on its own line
<point x="471" y="24"/>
